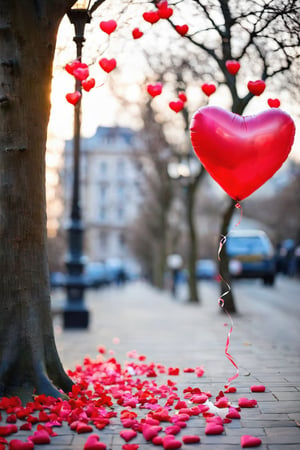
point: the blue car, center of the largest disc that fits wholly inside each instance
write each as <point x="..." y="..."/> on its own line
<point x="251" y="255"/>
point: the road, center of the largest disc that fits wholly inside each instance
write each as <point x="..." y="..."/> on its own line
<point x="276" y="310"/>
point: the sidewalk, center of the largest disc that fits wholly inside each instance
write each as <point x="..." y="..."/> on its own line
<point x="180" y="335"/>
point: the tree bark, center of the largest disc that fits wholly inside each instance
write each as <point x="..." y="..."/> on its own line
<point x="28" y="357"/>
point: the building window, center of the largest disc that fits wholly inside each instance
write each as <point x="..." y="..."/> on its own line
<point x="120" y="213"/>
<point x="103" y="213"/>
<point x="103" y="241"/>
<point x="120" y="168"/>
<point x="103" y="168"/>
<point x="122" y="240"/>
<point x="121" y="192"/>
<point x="103" y="192"/>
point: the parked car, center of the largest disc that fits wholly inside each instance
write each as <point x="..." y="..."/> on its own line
<point x="206" y="269"/>
<point x="251" y="255"/>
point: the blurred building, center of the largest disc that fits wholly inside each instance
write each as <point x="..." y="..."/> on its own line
<point x="109" y="190"/>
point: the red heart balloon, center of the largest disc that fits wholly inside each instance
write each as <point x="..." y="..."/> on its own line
<point x="182" y="29"/>
<point x="40" y="437"/>
<point x="176" y="105"/>
<point x="256" y="87"/>
<point x="17" y="444"/>
<point x="151" y="16"/>
<point x="108" y="64"/>
<point x="87" y="85"/>
<point x="81" y="73"/>
<point x="232" y="66"/>
<point x="8" y="429"/>
<point x="273" y="102"/>
<point x="164" y="11"/>
<point x="137" y="33"/>
<point x="182" y="96"/>
<point x="248" y="441"/>
<point x="154" y="89"/>
<point x="241" y="152"/>
<point x="73" y="97"/>
<point x="208" y="89"/>
<point x="108" y="26"/>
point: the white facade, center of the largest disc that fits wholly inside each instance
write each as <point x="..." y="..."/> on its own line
<point x="109" y="190"/>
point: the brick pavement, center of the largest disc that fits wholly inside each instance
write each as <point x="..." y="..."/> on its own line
<point x="177" y="334"/>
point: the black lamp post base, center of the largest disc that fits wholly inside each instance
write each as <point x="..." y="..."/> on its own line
<point x="75" y="318"/>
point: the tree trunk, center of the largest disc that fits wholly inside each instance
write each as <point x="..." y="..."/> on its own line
<point x="28" y="355"/>
<point x="193" y="239"/>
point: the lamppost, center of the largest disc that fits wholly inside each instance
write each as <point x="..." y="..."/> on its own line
<point x="75" y="314"/>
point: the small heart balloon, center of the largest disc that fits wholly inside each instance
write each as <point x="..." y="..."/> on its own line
<point x="208" y="89"/>
<point x="154" y="89"/>
<point x="151" y="16"/>
<point x="17" y="444"/>
<point x="241" y="153"/>
<point x="182" y="96"/>
<point x="256" y="87"/>
<point x="177" y="105"/>
<point x="164" y="11"/>
<point x="81" y="73"/>
<point x="108" y="26"/>
<point x="73" y="97"/>
<point x="137" y="33"/>
<point x="273" y="102"/>
<point x="88" y="84"/>
<point x="232" y="66"/>
<point x="182" y="29"/>
<point x="108" y="64"/>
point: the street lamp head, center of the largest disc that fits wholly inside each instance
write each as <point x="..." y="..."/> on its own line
<point x="82" y="4"/>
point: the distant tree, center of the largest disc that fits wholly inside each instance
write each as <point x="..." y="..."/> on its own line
<point x="264" y="37"/>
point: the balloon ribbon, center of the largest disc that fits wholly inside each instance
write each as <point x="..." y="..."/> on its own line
<point x="221" y="303"/>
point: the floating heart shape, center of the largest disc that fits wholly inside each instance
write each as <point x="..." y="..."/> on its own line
<point x="273" y="102"/>
<point x="213" y="428"/>
<point x="17" y="444"/>
<point x="108" y="26"/>
<point x="108" y="64"/>
<point x="73" y="97"/>
<point x="232" y="66"/>
<point x="72" y="66"/>
<point x="127" y="435"/>
<point x="176" y="106"/>
<point x="93" y="443"/>
<point x="81" y="73"/>
<point x="258" y="388"/>
<point x="190" y="439"/>
<point x="208" y="89"/>
<point x="248" y="441"/>
<point x="182" y="96"/>
<point x="165" y="12"/>
<point x="182" y="29"/>
<point x="151" y="16"/>
<point x="154" y="89"/>
<point x="137" y="33"/>
<point x="199" y="398"/>
<point x="256" y="87"/>
<point x="222" y="402"/>
<point x="241" y="153"/>
<point x="247" y="402"/>
<point x="87" y="85"/>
